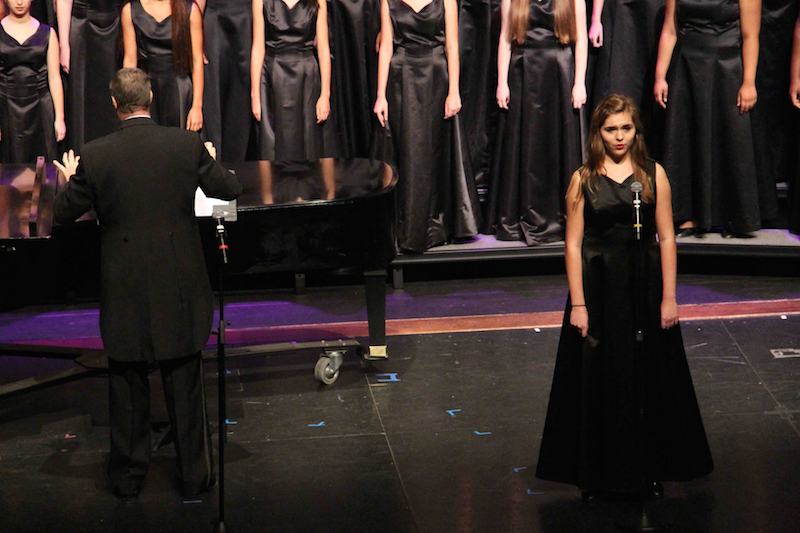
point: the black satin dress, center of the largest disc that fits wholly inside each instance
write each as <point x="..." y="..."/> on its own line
<point x="228" y="38"/>
<point x="290" y="87"/>
<point x="707" y="145"/>
<point x="542" y="139"/>
<point x="478" y="34"/>
<point x="93" y="39"/>
<point x="437" y="200"/>
<point x="354" y="27"/>
<point x="172" y="91"/>
<point x="774" y="117"/>
<point x="590" y="432"/>
<point x="626" y="61"/>
<point x="27" y="114"/>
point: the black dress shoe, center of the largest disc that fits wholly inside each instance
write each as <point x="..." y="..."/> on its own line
<point x="730" y="234"/>
<point x="684" y="232"/>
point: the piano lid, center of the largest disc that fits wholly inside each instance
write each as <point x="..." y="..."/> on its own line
<point x="287" y="184"/>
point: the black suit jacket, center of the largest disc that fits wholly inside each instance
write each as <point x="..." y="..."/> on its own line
<point x="156" y="300"/>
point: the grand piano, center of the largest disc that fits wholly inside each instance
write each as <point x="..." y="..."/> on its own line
<point x="293" y="216"/>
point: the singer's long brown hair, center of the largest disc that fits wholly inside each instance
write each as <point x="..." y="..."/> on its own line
<point x="593" y="168"/>
<point x="563" y="13"/>
<point x="181" y="36"/>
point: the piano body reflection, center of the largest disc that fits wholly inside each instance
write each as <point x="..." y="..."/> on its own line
<point x="291" y="217"/>
<point x="301" y="216"/>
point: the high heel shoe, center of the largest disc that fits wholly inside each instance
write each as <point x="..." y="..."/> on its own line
<point x="684" y="232"/>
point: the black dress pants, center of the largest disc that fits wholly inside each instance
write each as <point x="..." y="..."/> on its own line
<point x="129" y="403"/>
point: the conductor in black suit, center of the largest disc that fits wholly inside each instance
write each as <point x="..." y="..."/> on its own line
<point x="156" y="302"/>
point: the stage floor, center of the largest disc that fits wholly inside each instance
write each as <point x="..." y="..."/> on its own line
<point x="442" y="437"/>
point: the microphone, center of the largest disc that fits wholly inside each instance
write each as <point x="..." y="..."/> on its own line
<point x="219" y="218"/>
<point x="636" y="189"/>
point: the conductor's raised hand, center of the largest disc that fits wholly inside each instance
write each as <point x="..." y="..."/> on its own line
<point x="579" y="318"/>
<point x="381" y="110"/>
<point x="452" y="105"/>
<point x="210" y="149"/>
<point x="68" y="164"/>
<point x="669" y="312"/>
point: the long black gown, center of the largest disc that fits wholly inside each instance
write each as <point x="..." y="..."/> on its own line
<point x="172" y="91"/>
<point x="772" y="117"/>
<point x="93" y="40"/>
<point x="27" y="114"/>
<point x="228" y="38"/>
<point x="354" y="27"/>
<point x="707" y="145"/>
<point x="478" y="34"/>
<point x="542" y="139"/>
<point x="590" y="431"/>
<point x="290" y="87"/>
<point x="626" y="61"/>
<point x="437" y="199"/>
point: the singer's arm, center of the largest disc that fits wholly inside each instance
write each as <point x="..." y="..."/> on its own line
<point x="579" y="316"/>
<point x="669" y="251"/>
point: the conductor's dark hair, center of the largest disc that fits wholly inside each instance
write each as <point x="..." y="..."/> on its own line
<point x="130" y="87"/>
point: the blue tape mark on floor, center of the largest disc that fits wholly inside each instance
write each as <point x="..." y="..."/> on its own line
<point x="520" y="468"/>
<point x="317" y="425"/>
<point x="192" y="501"/>
<point x="482" y="433"/>
<point x="452" y="412"/>
<point x="386" y="378"/>
<point x="231" y="422"/>
<point x="534" y="493"/>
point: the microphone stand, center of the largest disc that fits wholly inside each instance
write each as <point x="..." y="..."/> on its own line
<point x="220" y="332"/>
<point x="640" y="521"/>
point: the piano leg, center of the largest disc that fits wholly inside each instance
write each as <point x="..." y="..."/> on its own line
<point x="375" y="285"/>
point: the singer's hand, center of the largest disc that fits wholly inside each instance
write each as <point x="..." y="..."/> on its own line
<point x="669" y="312"/>
<point x="579" y="317"/>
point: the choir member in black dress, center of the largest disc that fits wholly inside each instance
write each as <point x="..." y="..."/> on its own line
<point x="418" y="94"/>
<point x="542" y="85"/>
<point x="590" y="437"/>
<point x="771" y="119"/>
<point x="354" y="28"/>
<point x="165" y="39"/>
<point x="290" y="84"/>
<point x="89" y="32"/>
<point x="794" y="94"/>
<point x="625" y="32"/>
<point x="707" y="139"/>
<point x="478" y="33"/>
<point x="228" y="39"/>
<point x="31" y="93"/>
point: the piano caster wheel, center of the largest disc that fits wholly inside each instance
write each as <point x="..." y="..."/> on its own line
<point x="324" y="372"/>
